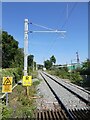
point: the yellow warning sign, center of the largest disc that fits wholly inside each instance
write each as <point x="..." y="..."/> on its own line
<point x="27" y="80"/>
<point x="7" y="85"/>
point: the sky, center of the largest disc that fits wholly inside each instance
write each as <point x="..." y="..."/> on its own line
<point x="46" y="0"/>
<point x="71" y="17"/>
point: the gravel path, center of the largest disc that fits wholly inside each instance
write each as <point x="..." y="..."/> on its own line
<point x="47" y="100"/>
<point x="69" y="100"/>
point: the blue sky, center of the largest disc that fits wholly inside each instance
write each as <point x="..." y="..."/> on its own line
<point x="52" y="15"/>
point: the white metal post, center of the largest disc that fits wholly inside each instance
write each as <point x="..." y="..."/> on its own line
<point x="25" y="46"/>
<point x="6" y="99"/>
<point x="26" y="51"/>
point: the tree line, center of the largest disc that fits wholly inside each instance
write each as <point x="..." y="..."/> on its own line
<point x="49" y="63"/>
<point x="12" y="55"/>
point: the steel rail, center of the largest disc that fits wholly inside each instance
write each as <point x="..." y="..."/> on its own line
<point x="74" y="93"/>
<point x="76" y="86"/>
<point x="59" y="101"/>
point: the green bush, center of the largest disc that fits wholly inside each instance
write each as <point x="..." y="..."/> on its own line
<point x="36" y="83"/>
<point x="64" y="74"/>
<point x="33" y="74"/>
<point x="16" y="73"/>
<point x="26" y="111"/>
<point x="76" y="78"/>
<point x="6" y="112"/>
<point x="25" y="101"/>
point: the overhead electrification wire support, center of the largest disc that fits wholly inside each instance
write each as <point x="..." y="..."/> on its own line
<point x="41" y="26"/>
<point x="55" y="31"/>
<point x="48" y="29"/>
<point x="26" y="31"/>
<point x="26" y="51"/>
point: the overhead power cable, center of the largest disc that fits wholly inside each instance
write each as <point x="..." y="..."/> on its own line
<point x="67" y="11"/>
<point x="42" y="26"/>
<point x="69" y="14"/>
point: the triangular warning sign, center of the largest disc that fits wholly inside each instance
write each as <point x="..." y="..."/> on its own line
<point x="27" y="78"/>
<point x="7" y="82"/>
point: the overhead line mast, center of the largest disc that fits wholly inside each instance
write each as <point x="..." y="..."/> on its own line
<point x="25" y="45"/>
<point x="26" y="31"/>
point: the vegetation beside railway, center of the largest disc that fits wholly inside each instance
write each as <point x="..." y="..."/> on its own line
<point x="20" y="106"/>
<point x="12" y="65"/>
<point x="13" y="57"/>
<point x="16" y="73"/>
<point x="79" y="76"/>
<point x="74" y="77"/>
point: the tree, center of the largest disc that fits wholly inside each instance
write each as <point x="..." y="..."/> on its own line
<point x="47" y="64"/>
<point x="19" y="58"/>
<point x="53" y="59"/>
<point x="12" y="55"/>
<point x="34" y="65"/>
<point x="40" y="67"/>
<point x="85" y="70"/>
<point x="0" y="57"/>
<point x="30" y="60"/>
<point x="9" y="49"/>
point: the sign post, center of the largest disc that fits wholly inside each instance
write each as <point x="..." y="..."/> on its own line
<point x="27" y="81"/>
<point x="7" y="87"/>
<point x="6" y="99"/>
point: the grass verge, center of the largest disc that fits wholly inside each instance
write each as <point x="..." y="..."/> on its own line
<point x="20" y="105"/>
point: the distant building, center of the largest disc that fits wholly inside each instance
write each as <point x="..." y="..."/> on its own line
<point x="70" y="67"/>
<point x="73" y="66"/>
<point x="39" y="67"/>
<point x="44" y="68"/>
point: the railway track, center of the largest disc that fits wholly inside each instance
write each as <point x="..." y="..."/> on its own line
<point x="76" y="86"/>
<point x="68" y="114"/>
<point x="81" y="91"/>
<point x="71" y="114"/>
<point x="70" y="90"/>
<point x="59" y="114"/>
